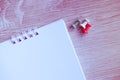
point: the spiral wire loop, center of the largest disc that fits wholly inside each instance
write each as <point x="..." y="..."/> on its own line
<point x="24" y="36"/>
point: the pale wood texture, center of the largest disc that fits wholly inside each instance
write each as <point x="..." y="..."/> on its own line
<point x="98" y="51"/>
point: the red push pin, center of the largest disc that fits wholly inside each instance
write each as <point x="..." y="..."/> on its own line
<point x="85" y="26"/>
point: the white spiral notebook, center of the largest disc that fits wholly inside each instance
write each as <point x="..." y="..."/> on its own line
<point x="43" y="54"/>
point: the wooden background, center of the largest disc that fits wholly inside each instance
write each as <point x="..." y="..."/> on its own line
<point x="98" y="51"/>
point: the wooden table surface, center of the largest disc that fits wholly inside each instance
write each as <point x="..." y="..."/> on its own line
<point x="98" y="51"/>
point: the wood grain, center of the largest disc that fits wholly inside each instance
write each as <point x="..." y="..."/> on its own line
<point x="98" y="51"/>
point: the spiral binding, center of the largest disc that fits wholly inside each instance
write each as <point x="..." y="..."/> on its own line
<point x="24" y="36"/>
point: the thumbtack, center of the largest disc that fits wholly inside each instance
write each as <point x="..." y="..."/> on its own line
<point x="75" y="25"/>
<point x="85" y="26"/>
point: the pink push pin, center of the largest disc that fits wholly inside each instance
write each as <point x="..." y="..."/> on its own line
<point x="85" y="26"/>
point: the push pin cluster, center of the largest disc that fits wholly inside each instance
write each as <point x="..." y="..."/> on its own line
<point x="84" y="25"/>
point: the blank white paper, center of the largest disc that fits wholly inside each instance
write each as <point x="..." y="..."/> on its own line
<point x="48" y="56"/>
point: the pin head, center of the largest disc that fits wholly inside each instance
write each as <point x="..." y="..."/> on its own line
<point x="87" y="27"/>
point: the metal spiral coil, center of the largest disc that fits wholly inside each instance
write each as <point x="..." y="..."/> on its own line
<point x="24" y="36"/>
